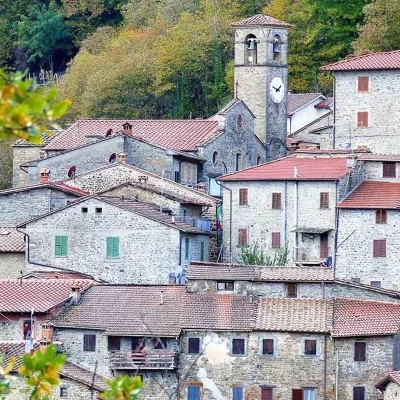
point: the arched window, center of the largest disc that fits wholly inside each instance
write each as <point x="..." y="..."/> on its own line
<point x="113" y="158"/>
<point x="215" y="157"/>
<point x="258" y="160"/>
<point x="276" y="48"/>
<point x="250" y="50"/>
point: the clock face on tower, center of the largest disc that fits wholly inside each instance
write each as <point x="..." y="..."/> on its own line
<point x="277" y="90"/>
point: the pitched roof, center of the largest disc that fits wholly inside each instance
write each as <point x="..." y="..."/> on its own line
<point x="365" y="318"/>
<point x="293" y="315"/>
<point x="217" y="271"/>
<point x="392" y="376"/>
<point x="299" y="100"/>
<point x="185" y="135"/>
<point x="11" y="241"/>
<point x="308" y="168"/>
<point x="374" y="195"/>
<point x="127" y="310"/>
<point x="49" y="185"/>
<point x="378" y="157"/>
<point x="14" y="349"/>
<point x="260" y="19"/>
<point x="46" y="136"/>
<point x="83" y="375"/>
<point x="218" y="312"/>
<point x="369" y="61"/>
<point x="41" y="295"/>
<point x="56" y="275"/>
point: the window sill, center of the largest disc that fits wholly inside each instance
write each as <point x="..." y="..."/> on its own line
<point x="238" y="355"/>
<point x="60" y="256"/>
<point x="310" y="355"/>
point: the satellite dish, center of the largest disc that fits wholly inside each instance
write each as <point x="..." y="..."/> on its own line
<point x="109" y="132"/>
<point x="71" y="172"/>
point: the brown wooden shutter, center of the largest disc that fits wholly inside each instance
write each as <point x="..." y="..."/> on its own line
<point x="266" y="393"/>
<point x="242" y="197"/>
<point x="324" y="200"/>
<point x="381" y="216"/>
<point x="242" y="237"/>
<point x="363" y="83"/>
<point x="360" y="351"/>
<point x="276" y="240"/>
<point x="291" y="290"/>
<point x="389" y="170"/>
<point x="379" y="248"/>
<point x="276" y="201"/>
<point x="297" y="394"/>
<point x="362" y="119"/>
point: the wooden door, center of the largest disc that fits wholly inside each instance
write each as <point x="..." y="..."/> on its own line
<point x="323" y="248"/>
<point x="266" y="393"/>
<point x="297" y="394"/>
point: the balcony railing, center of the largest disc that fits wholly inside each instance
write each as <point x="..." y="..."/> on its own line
<point x="133" y="360"/>
<point x="201" y="223"/>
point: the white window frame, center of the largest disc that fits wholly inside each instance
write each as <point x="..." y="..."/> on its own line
<point x="231" y="346"/>
<point x="275" y="354"/>
<point x="317" y="347"/>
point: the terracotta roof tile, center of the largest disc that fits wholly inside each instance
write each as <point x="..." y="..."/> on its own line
<point x="308" y="168"/>
<point x="51" y="185"/>
<point x="217" y="271"/>
<point x="370" y="61"/>
<point x="13" y="349"/>
<point x="83" y="375"/>
<point x="260" y="19"/>
<point x="212" y="311"/>
<point x="293" y="315"/>
<point x="392" y="376"/>
<point x="378" y="157"/>
<point x="298" y="100"/>
<point x="11" y="241"/>
<point x="56" y="275"/>
<point x="365" y="318"/>
<point x="39" y="294"/>
<point x="374" y="195"/>
<point x="185" y="135"/>
<point x="127" y="310"/>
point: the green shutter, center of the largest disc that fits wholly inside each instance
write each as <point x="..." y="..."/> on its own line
<point x="113" y="247"/>
<point x="186" y="247"/>
<point x="201" y="251"/>
<point x="61" y="246"/>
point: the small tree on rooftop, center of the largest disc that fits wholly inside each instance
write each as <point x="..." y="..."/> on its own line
<point x="253" y="255"/>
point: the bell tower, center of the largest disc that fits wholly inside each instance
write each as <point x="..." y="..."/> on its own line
<point x="261" y="77"/>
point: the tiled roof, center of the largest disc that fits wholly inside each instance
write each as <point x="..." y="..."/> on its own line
<point x="63" y="186"/>
<point x="49" y="185"/>
<point x="298" y="100"/>
<point x="370" y="61"/>
<point x="308" y="168"/>
<point x="11" y="241"/>
<point x="392" y="376"/>
<point x="374" y="194"/>
<point x="378" y="157"/>
<point x="185" y="135"/>
<point x="56" y="275"/>
<point x="46" y="137"/>
<point x="260" y="19"/>
<point x="82" y="375"/>
<point x="150" y="211"/>
<point x="327" y="104"/>
<point x="127" y="310"/>
<point x="23" y="295"/>
<point x="216" y="271"/>
<point x="13" y="349"/>
<point x="218" y="312"/>
<point x="293" y="315"/>
<point x="365" y="318"/>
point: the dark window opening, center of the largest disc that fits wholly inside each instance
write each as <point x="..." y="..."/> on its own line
<point x="215" y="157"/>
<point x="112" y="158"/>
<point x="84" y="210"/>
<point x="63" y="391"/>
<point x="376" y="283"/>
<point x="358" y="393"/>
<point x="291" y="290"/>
<point x="381" y="216"/>
<point x="389" y="170"/>
<point x="27" y="330"/>
<point x="99" y="210"/>
<point x="114" y="343"/>
<point x="137" y="344"/>
<point x="310" y="347"/>
<point x="360" y="351"/>
<point x="238" y="164"/>
<point x="238" y="346"/>
<point x="160" y="343"/>
<point x="225" y="285"/>
<point x="268" y="346"/>
<point x="258" y="160"/>
<point x="89" y="342"/>
<point x="251" y="50"/>
<point x="193" y="345"/>
<point x="276" y="201"/>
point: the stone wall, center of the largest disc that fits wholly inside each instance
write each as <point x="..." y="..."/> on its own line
<point x="354" y="258"/>
<point x="21" y="155"/>
<point x="392" y="391"/>
<point x="381" y="135"/>
<point x="373" y="170"/>
<point x="149" y="251"/>
<point x="11" y="265"/>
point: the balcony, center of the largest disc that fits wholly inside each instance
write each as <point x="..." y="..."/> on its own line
<point x="201" y="223"/>
<point x="166" y="360"/>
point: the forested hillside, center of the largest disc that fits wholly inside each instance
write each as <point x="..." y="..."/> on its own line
<point x="173" y="58"/>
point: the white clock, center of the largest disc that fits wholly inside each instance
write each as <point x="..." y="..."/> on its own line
<point x="277" y="90"/>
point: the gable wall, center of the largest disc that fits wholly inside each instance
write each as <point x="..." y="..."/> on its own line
<point x="22" y="155"/>
<point x="11" y="265"/>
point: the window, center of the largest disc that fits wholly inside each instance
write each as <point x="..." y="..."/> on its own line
<point x="266" y="393"/>
<point x="358" y="393"/>
<point x="360" y="351"/>
<point x="239" y="121"/>
<point x="324" y="200"/>
<point x="238" y="346"/>
<point x="251" y="50"/>
<point x="160" y="343"/>
<point x="201" y="251"/>
<point x="237" y="393"/>
<point x="27" y="330"/>
<point x="193" y="392"/>
<point x="137" y="343"/>
<point x="268" y="347"/>
<point x="84" y="210"/>
<point x="193" y="345"/>
<point x="238" y="161"/>
<point x="242" y="237"/>
<point x="309" y="393"/>
<point x="362" y="119"/>
<point x="310" y="347"/>
<point x="98" y="210"/>
<point x="112" y="247"/>
<point x="355" y="280"/>
<point x="215" y="157"/>
<point x="243" y="197"/>
<point x="258" y="160"/>
<point x="114" y="343"/>
<point x="225" y="285"/>
<point x="291" y="290"/>
<point x="376" y="283"/>
<point x="89" y="342"/>
<point x="276" y="240"/>
<point x="389" y="170"/>
<point x="379" y="249"/>
<point x="61" y="246"/>
<point x="186" y="247"/>
<point x="64" y="392"/>
<point x="381" y="216"/>
<point x="276" y="201"/>
<point x="363" y="83"/>
<point x="112" y="158"/>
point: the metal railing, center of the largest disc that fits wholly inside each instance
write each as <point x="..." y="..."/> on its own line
<point x="120" y="359"/>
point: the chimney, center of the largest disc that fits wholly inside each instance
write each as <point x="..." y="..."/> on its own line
<point x="121" y="157"/>
<point x="43" y="154"/>
<point x="127" y="128"/>
<point x="47" y="332"/>
<point x="351" y="161"/>
<point x="43" y="343"/>
<point x="201" y="187"/>
<point x="44" y="175"/>
<point x="75" y="295"/>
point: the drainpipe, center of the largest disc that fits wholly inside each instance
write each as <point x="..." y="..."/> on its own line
<point x="334" y="113"/>
<point x="296" y="217"/>
<point x="325" y="364"/>
<point x="337" y="376"/>
<point x="230" y="218"/>
<point x="46" y="265"/>
<point x="285" y="223"/>
<point x="336" y="231"/>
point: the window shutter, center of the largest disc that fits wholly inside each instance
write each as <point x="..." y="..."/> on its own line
<point x="297" y="394"/>
<point x="358" y="393"/>
<point x="243" y="198"/>
<point x="237" y="393"/>
<point x="186" y="247"/>
<point x="379" y="248"/>
<point x="324" y="200"/>
<point x="363" y="83"/>
<point x="116" y="247"/>
<point x="242" y="237"/>
<point x="61" y="246"/>
<point x="362" y="119"/>
<point x="57" y="250"/>
<point x="193" y="393"/>
<point x="266" y="393"/>
<point x="276" y="240"/>
<point x="276" y="201"/>
<point x="360" y="351"/>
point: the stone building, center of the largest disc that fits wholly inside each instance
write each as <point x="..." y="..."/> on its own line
<point x="287" y="206"/>
<point x="390" y="385"/>
<point x="366" y="109"/>
<point x="12" y="252"/>
<point x="116" y="239"/>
